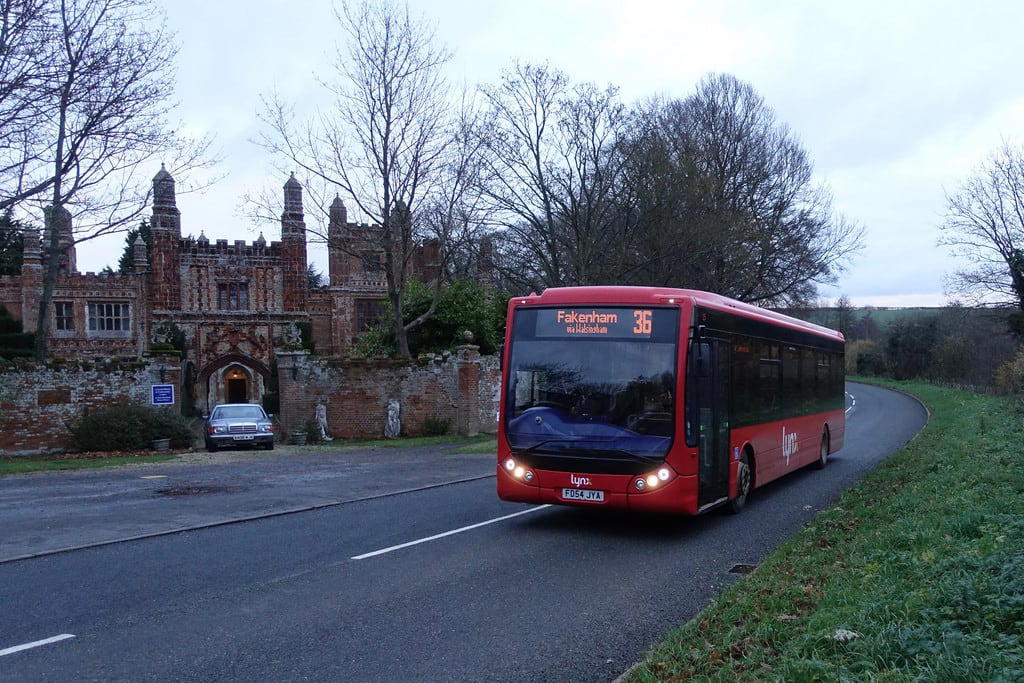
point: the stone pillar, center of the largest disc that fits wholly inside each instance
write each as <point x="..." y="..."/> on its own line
<point x="292" y="370"/>
<point x="165" y="368"/>
<point x="467" y="413"/>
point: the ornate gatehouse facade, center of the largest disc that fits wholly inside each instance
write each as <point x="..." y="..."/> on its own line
<point x="229" y="307"/>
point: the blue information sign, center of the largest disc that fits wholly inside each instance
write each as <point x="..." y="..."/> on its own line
<point x="162" y="394"/>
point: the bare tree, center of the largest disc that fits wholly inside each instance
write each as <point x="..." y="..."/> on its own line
<point x="737" y="212"/>
<point x="105" y="97"/>
<point x="381" y="144"/>
<point x="984" y="225"/>
<point x="554" y="173"/>
<point x="25" y="46"/>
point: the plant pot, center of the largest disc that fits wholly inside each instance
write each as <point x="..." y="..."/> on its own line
<point x="298" y="438"/>
<point x="161" y="444"/>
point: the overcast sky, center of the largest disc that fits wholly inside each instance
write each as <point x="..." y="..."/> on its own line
<point x="895" y="101"/>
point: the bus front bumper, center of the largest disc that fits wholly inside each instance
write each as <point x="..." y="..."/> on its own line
<point x="678" y="496"/>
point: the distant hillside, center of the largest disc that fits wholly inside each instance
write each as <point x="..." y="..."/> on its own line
<point x="883" y="316"/>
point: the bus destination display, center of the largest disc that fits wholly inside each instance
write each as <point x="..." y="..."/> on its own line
<point x="612" y="323"/>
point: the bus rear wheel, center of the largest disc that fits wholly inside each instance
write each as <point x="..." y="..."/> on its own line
<point x="744" y="482"/>
<point x="822" y="460"/>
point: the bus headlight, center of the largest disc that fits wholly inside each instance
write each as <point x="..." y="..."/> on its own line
<point x="653" y="480"/>
<point x="528" y="476"/>
<point x="518" y="472"/>
<point x="510" y="464"/>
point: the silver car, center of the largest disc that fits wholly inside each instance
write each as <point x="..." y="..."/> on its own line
<point x="239" y="424"/>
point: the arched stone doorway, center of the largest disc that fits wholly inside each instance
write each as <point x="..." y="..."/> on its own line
<point x="237" y="382"/>
<point x="231" y="379"/>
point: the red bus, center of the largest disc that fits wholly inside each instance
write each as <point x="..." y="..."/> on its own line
<point x="664" y="400"/>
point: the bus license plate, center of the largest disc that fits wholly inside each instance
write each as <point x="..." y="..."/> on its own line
<point x="244" y="437"/>
<point x="583" y="494"/>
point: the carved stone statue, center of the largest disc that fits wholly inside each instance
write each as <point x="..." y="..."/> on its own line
<point x="321" y="421"/>
<point x="394" y="426"/>
<point x="162" y="336"/>
<point x="292" y="336"/>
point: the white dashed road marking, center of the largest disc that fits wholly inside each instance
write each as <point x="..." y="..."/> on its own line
<point x="853" y="402"/>
<point x="447" y="533"/>
<point x="34" y="643"/>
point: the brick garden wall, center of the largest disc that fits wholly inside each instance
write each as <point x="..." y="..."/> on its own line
<point x="39" y="404"/>
<point x="460" y="388"/>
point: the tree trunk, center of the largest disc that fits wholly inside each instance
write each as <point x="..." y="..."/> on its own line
<point x="401" y="337"/>
<point x="50" y="268"/>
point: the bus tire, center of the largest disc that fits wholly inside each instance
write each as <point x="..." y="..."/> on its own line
<point x="744" y="483"/>
<point x="822" y="460"/>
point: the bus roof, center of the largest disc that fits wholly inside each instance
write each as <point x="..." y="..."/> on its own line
<point x="611" y="295"/>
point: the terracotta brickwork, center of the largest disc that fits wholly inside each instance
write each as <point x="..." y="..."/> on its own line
<point x="39" y="405"/>
<point x="357" y="393"/>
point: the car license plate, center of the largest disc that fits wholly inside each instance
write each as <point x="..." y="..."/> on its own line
<point x="587" y="495"/>
<point x="243" y="437"/>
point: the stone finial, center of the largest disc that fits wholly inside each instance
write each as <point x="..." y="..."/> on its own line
<point x="338" y="213"/>
<point x="163" y="190"/>
<point x="202" y="238"/>
<point x="293" y="195"/>
<point x="261" y="241"/>
<point x="139" y="253"/>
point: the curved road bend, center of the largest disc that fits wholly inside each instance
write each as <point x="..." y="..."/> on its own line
<point x="552" y="594"/>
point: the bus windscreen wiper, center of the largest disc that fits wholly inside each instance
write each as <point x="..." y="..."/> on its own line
<point x="583" y="450"/>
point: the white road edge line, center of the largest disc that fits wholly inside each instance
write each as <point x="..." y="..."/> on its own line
<point x="853" y="401"/>
<point x="447" y="533"/>
<point x="35" y="643"/>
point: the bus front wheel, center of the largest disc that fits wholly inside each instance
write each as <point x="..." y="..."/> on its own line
<point x="744" y="482"/>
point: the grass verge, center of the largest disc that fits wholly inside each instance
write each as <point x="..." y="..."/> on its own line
<point x="23" y="465"/>
<point x="489" y="446"/>
<point x="917" y="573"/>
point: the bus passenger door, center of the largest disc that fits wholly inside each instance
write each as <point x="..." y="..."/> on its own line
<point x="712" y="370"/>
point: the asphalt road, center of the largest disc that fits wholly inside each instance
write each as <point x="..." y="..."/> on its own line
<point x="550" y="594"/>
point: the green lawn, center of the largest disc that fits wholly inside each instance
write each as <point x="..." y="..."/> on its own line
<point x="916" y="574"/>
<point x="22" y="465"/>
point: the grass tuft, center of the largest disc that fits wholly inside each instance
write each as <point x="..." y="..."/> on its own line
<point x="917" y="573"/>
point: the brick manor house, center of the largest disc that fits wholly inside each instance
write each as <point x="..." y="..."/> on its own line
<point x="236" y="303"/>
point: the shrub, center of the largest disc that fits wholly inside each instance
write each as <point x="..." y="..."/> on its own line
<point x="1010" y="375"/>
<point x="867" y="358"/>
<point x="130" y="427"/>
<point x="436" y="426"/>
<point x="312" y="432"/>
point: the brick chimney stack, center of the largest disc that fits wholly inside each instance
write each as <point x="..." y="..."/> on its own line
<point x="338" y="262"/>
<point x="293" y="247"/>
<point x="31" y="279"/>
<point x="165" y="231"/>
<point x="58" y="218"/>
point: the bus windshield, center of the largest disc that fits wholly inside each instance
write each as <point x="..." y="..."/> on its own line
<point x="593" y="381"/>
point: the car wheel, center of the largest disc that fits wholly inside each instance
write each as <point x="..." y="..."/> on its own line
<point x="210" y="448"/>
<point x="744" y="483"/>
<point x="269" y="446"/>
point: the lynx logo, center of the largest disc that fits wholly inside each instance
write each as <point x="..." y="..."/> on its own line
<point x="789" y="445"/>
<point x="579" y="481"/>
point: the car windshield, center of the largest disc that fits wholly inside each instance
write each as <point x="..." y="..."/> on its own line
<point x="238" y="412"/>
<point x="573" y="388"/>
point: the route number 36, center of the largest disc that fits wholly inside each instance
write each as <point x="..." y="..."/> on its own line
<point x="643" y="322"/>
